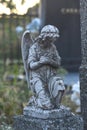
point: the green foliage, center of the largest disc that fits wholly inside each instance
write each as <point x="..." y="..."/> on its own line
<point x="12" y="99"/>
<point x="9" y="4"/>
<point x="14" y="95"/>
<point x="4" y="126"/>
<point x="22" y="1"/>
<point x="10" y="42"/>
<point x="62" y="71"/>
<point x="66" y="101"/>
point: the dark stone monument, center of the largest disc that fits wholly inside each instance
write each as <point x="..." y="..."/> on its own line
<point x="83" y="68"/>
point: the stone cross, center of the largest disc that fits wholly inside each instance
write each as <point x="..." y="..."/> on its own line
<point x="83" y="68"/>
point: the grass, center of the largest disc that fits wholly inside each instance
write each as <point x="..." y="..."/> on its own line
<point x="14" y="94"/>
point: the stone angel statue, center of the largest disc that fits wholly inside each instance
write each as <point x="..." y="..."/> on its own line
<point x="41" y="62"/>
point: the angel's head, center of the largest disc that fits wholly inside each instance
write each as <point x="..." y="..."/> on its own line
<point x="49" y="34"/>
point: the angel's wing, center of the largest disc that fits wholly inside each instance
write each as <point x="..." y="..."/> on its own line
<point x="25" y="45"/>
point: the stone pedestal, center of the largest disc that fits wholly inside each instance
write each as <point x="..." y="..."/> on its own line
<point x="56" y="119"/>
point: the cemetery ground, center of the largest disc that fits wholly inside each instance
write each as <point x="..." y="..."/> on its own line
<point x="14" y="93"/>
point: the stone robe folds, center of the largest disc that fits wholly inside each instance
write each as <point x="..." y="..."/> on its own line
<point x="44" y="79"/>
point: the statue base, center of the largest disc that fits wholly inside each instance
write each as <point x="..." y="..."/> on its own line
<point x="56" y="119"/>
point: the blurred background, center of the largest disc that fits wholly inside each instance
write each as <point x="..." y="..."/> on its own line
<point x="16" y="16"/>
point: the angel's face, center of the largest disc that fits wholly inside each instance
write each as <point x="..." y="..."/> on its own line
<point x="46" y="41"/>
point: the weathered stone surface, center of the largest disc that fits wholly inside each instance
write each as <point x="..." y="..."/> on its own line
<point x="83" y="93"/>
<point x="46" y="114"/>
<point x="57" y="119"/>
<point x="83" y="68"/>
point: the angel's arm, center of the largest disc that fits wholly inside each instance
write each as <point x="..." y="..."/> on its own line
<point x="56" y="60"/>
<point x="33" y="63"/>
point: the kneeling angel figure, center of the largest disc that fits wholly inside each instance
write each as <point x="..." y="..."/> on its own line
<point x="41" y="62"/>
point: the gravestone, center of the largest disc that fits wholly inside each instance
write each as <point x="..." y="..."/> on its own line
<point x="41" y="62"/>
<point x="83" y="68"/>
